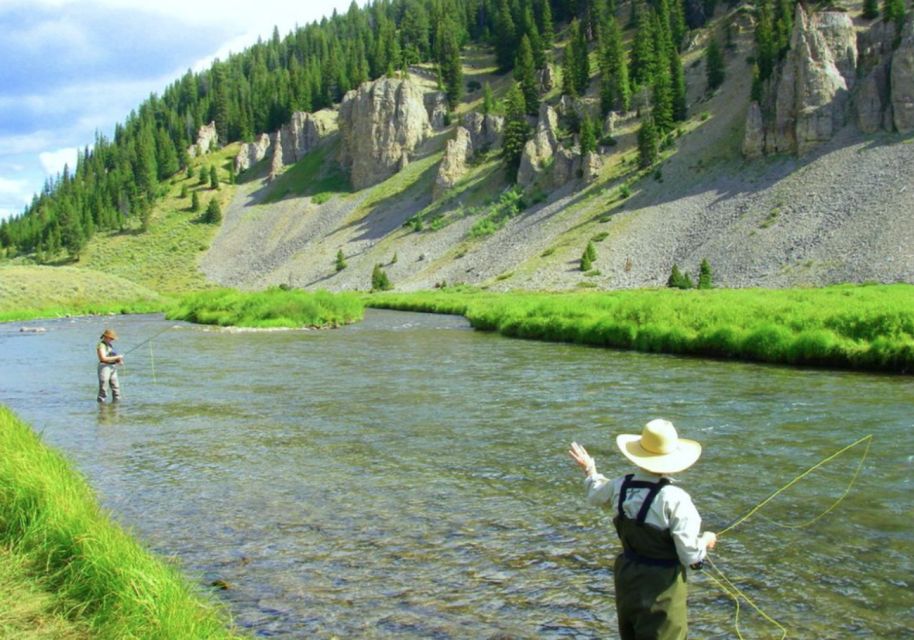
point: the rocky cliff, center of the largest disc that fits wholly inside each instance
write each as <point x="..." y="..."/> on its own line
<point x="302" y="134"/>
<point x="381" y="125"/>
<point x="831" y="76"/>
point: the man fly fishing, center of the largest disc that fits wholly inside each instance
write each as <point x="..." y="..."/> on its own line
<point x="108" y="359"/>
<point x="659" y="528"/>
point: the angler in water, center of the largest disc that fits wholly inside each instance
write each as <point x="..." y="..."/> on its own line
<point x="108" y="359"/>
<point x="659" y="528"/>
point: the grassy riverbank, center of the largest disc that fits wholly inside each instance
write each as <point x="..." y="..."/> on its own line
<point x="73" y="566"/>
<point x="268" y="309"/>
<point x="855" y="327"/>
<point x="28" y="292"/>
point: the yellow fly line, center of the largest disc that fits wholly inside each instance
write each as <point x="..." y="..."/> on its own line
<point x="727" y="586"/>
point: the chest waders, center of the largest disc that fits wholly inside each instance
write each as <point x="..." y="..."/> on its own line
<point x="649" y="579"/>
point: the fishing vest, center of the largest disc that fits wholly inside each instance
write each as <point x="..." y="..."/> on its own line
<point x="108" y="350"/>
<point x="642" y="542"/>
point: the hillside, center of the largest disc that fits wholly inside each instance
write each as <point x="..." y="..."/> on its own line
<point x="838" y="214"/>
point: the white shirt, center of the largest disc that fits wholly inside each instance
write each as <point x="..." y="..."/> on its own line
<point x="672" y="509"/>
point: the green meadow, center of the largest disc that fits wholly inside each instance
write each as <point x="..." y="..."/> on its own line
<point x="275" y="307"/>
<point x="67" y="570"/>
<point x="868" y="327"/>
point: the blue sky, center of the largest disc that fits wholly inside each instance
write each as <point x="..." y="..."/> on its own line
<point x="69" y="68"/>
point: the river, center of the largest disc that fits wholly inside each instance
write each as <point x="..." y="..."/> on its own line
<point x="408" y="477"/>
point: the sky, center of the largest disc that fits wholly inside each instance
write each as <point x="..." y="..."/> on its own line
<point x="69" y="68"/>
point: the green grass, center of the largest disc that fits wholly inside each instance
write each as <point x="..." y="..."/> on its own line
<point x="165" y="257"/>
<point x="73" y="561"/>
<point x="28" y="292"/>
<point x="27" y="611"/>
<point x="274" y="307"/>
<point x="856" y="327"/>
<point x="317" y="175"/>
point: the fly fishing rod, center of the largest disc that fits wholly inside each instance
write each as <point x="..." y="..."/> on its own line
<point x="150" y="339"/>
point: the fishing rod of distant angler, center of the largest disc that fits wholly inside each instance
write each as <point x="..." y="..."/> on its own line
<point x="146" y="341"/>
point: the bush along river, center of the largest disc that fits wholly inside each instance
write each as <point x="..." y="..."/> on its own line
<point x="407" y="477"/>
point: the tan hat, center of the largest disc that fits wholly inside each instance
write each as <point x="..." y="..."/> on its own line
<point x="111" y="334"/>
<point x="659" y="449"/>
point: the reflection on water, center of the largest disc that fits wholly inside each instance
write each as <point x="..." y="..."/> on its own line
<point x="408" y="477"/>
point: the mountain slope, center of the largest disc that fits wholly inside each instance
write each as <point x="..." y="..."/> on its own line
<point x="840" y="214"/>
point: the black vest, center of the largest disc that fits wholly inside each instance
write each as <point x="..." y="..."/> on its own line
<point x="642" y="542"/>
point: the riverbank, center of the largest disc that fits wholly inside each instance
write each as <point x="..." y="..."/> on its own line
<point x="868" y="327"/>
<point x="82" y="572"/>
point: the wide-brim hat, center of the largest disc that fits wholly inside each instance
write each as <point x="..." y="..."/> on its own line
<point x="659" y="449"/>
<point x="111" y="334"/>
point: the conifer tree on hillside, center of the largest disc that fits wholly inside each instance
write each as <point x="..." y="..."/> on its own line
<point x="505" y="36"/>
<point x="870" y="9"/>
<point x="614" y="86"/>
<point x="546" y="26"/>
<point x="714" y="65"/>
<point x="643" y="53"/>
<point x="648" y="142"/>
<point x="525" y="75"/>
<point x="678" y="87"/>
<point x="517" y="131"/>
<point x="450" y="63"/>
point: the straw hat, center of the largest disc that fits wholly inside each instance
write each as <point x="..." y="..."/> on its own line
<point x="111" y="334"/>
<point x="659" y="449"/>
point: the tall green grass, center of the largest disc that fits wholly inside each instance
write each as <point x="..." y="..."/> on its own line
<point x="96" y="572"/>
<point x="856" y="327"/>
<point x="274" y="307"/>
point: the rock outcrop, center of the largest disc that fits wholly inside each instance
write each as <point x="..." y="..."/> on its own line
<point x="807" y="98"/>
<point x="301" y="135"/>
<point x="486" y="130"/>
<point x="833" y="75"/>
<point x="252" y="152"/>
<point x="454" y="163"/>
<point x="381" y="124"/>
<point x="902" y="81"/>
<point x="545" y="159"/>
<point x="207" y="140"/>
<point x="437" y="108"/>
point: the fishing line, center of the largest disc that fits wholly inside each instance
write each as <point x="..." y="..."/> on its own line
<point x="135" y="347"/>
<point x="152" y="364"/>
<point x="727" y="586"/>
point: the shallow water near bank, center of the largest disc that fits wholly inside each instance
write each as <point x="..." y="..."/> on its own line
<point x="407" y="477"/>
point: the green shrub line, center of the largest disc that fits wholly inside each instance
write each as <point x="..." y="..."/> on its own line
<point x="868" y="327"/>
<point x="273" y="308"/>
<point x="98" y="574"/>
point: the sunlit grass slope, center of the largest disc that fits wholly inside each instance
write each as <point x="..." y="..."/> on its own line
<point x="91" y="569"/>
<point x="858" y="327"/>
<point x="166" y="255"/>
<point x="271" y="308"/>
<point x="44" y="292"/>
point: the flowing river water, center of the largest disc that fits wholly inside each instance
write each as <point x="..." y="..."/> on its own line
<point x="407" y="477"/>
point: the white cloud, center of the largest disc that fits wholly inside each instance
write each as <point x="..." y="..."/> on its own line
<point x="54" y="161"/>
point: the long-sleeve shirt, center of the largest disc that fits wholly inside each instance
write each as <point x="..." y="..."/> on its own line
<point x="672" y="509"/>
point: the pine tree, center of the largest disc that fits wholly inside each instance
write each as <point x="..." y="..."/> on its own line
<point x="569" y="88"/>
<point x="580" y="59"/>
<point x="340" y="261"/>
<point x="662" y="94"/>
<point x="213" y="214"/>
<point x="714" y="65"/>
<point x="870" y="9"/>
<point x="894" y="11"/>
<point x="588" y="135"/>
<point x="678" y="88"/>
<point x="517" y="131"/>
<point x="506" y="39"/>
<point x="547" y="28"/>
<point x="644" y="55"/>
<point x="213" y="177"/>
<point x="615" y="92"/>
<point x="525" y="75"/>
<point x="588" y="257"/>
<point x="704" y="275"/>
<point x="194" y="202"/>
<point x="449" y="62"/>
<point x="379" y="279"/>
<point x="648" y="146"/>
<point x="488" y="100"/>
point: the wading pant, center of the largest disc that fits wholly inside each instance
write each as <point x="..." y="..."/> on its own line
<point x="107" y="375"/>
<point x="650" y="601"/>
